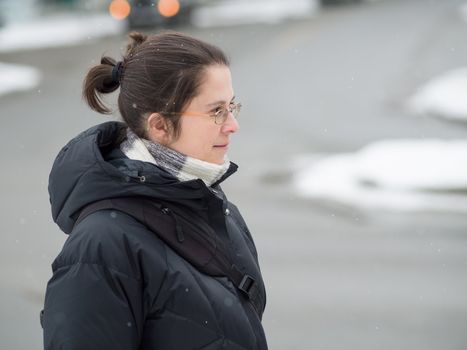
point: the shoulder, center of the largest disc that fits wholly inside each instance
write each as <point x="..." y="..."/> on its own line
<point x="116" y="241"/>
<point x="237" y="216"/>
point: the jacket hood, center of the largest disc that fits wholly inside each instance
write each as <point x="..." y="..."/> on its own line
<point x="91" y="167"/>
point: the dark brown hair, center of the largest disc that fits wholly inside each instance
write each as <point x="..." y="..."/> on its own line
<point x="159" y="73"/>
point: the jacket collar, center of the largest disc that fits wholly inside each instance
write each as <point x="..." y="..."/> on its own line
<point x="91" y="168"/>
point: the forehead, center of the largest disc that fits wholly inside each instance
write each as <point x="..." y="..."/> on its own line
<point x="216" y="85"/>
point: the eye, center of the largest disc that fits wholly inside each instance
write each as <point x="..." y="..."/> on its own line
<point x="218" y="111"/>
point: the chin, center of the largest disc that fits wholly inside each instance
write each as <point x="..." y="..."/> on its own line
<point x="217" y="161"/>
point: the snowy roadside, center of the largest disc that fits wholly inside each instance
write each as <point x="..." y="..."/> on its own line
<point x="444" y="96"/>
<point x="64" y="30"/>
<point x="53" y="32"/>
<point x="18" y="78"/>
<point x="393" y="175"/>
<point x="72" y="29"/>
<point x="399" y="175"/>
<point x="237" y="12"/>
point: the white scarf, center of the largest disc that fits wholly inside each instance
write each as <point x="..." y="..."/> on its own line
<point x="179" y="165"/>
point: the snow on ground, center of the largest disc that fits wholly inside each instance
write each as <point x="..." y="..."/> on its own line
<point x="396" y="175"/>
<point x="62" y="30"/>
<point x="17" y="78"/>
<point x="444" y="96"/>
<point x="235" y="12"/>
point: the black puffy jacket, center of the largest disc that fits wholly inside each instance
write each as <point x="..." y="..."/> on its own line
<point x="116" y="284"/>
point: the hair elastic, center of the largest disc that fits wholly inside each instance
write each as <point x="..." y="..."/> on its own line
<point x="117" y="72"/>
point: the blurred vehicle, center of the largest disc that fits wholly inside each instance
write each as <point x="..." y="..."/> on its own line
<point x="150" y="13"/>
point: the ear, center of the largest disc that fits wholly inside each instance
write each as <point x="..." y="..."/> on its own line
<point x="158" y="129"/>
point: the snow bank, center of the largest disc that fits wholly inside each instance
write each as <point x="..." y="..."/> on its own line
<point x="444" y="96"/>
<point x="235" y="12"/>
<point x="17" y="78"/>
<point x="57" y="31"/>
<point x="402" y="175"/>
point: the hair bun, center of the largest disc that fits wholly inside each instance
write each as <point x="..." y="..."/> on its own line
<point x="137" y="39"/>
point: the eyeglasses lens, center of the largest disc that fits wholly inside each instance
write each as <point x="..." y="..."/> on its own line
<point x="222" y="117"/>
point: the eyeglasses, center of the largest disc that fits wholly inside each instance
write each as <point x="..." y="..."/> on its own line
<point x="220" y="115"/>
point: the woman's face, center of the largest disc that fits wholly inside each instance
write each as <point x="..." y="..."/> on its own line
<point x="200" y="137"/>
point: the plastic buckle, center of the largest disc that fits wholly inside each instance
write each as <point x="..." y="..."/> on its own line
<point x="246" y="284"/>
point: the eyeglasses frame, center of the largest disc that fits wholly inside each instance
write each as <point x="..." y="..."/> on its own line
<point x="219" y="118"/>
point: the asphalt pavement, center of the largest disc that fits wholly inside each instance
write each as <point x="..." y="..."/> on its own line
<point x="337" y="277"/>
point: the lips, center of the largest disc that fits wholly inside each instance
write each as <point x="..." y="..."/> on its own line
<point x="222" y="146"/>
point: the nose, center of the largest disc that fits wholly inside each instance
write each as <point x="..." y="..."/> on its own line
<point x="230" y="125"/>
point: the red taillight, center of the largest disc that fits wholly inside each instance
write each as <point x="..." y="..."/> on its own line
<point x="168" y="8"/>
<point x="119" y="9"/>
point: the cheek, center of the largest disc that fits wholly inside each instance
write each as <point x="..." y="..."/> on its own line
<point x="198" y="137"/>
<point x="193" y="139"/>
<point x="201" y="131"/>
<point x="206" y="141"/>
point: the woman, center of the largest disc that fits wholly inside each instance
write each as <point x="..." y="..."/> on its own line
<point x="166" y="262"/>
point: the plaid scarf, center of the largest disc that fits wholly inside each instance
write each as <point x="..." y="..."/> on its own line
<point x="179" y="165"/>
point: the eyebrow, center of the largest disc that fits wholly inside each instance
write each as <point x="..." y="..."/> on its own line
<point x="219" y="102"/>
